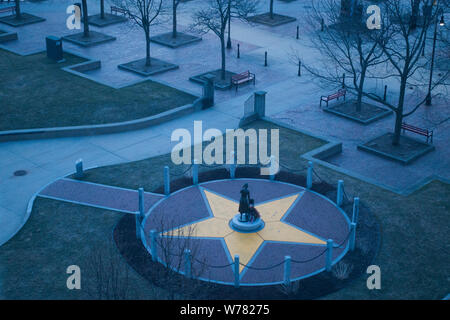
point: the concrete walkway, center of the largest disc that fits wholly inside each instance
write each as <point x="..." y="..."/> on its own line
<point x="47" y="160"/>
<point x="98" y="195"/>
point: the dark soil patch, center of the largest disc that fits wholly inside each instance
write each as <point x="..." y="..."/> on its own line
<point x="406" y="151"/>
<point x="219" y="82"/>
<point x="93" y="39"/>
<point x="25" y="19"/>
<point x="182" y="39"/>
<point x="140" y="66"/>
<point x="367" y="113"/>
<point x="275" y="20"/>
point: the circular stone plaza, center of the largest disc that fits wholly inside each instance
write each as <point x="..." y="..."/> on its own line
<point x="297" y="223"/>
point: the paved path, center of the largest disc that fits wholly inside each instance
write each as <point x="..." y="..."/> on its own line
<point x="98" y="195"/>
<point x="47" y="160"/>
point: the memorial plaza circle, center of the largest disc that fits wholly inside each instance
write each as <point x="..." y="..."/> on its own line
<point x="297" y="223"/>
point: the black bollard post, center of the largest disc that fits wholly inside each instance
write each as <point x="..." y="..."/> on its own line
<point x="299" y="68"/>
<point x="238" y="52"/>
<point x="265" y="59"/>
<point x="343" y="80"/>
<point x="321" y="24"/>
<point x="298" y="33"/>
<point x="385" y="91"/>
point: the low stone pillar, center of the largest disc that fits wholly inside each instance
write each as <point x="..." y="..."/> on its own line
<point x="355" y="210"/>
<point x="287" y="270"/>
<point x="195" y="172"/>
<point x="309" y="174"/>
<point x="260" y="103"/>
<point x="329" y="255"/>
<point x="79" y="173"/>
<point x="208" y="92"/>
<point x="236" y="271"/>
<point x="340" y="193"/>
<point x="141" y="203"/>
<point x="166" y="181"/>
<point x="352" y="239"/>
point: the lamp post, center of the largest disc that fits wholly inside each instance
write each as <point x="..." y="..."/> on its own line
<point x="441" y="23"/>
<point x="229" y="25"/>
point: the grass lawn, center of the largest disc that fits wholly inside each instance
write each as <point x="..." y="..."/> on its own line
<point x="36" y="93"/>
<point x="413" y="254"/>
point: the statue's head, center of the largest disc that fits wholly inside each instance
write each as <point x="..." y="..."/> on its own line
<point x="245" y="186"/>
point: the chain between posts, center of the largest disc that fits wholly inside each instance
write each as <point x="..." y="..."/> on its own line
<point x="266" y="268"/>
<point x="343" y="241"/>
<point x="212" y="266"/>
<point x="250" y="267"/>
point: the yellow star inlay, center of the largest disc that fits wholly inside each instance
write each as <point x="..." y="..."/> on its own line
<point x="245" y="244"/>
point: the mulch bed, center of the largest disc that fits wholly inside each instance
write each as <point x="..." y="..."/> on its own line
<point x="182" y="39"/>
<point x="367" y="113"/>
<point x="95" y="38"/>
<point x="368" y="239"/>
<point x="156" y="66"/>
<point x="25" y="19"/>
<point x="219" y="83"/>
<point x="265" y="18"/>
<point x="408" y="150"/>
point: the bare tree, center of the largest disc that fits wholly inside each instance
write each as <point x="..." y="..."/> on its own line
<point x="108" y="274"/>
<point x="18" y="13"/>
<point x="250" y="7"/>
<point x="215" y="18"/>
<point x="402" y="47"/>
<point x="271" y="9"/>
<point x="85" y="18"/>
<point x="171" y="246"/>
<point x="102" y="9"/>
<point x="144" y="14"/>
<point x="346" y="45"/>
<point x="175" y="4"/>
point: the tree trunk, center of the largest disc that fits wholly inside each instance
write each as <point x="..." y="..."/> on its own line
<point x="102" y="9"/>
<point x="148" y="62"/>
<point x="360" y="89"/>
<point x="174" y="20"/>
<point x="271" y="9"/>
<point x="18" y="13"/>
<point x="85" y="19"/>
<point x="229" y="25"/>
<point x="399" y="113"/>
<point x="222" y="45"/>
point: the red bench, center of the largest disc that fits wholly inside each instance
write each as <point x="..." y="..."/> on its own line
<point x="119" y="10"/>
<point x="8" y="9"/>
<point x="243" y="77"/>
<point x="424" y="132"/>
<point x="337" y="95"/>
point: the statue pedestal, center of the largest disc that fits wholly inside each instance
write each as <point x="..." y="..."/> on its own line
<point x="246" y="227"/>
